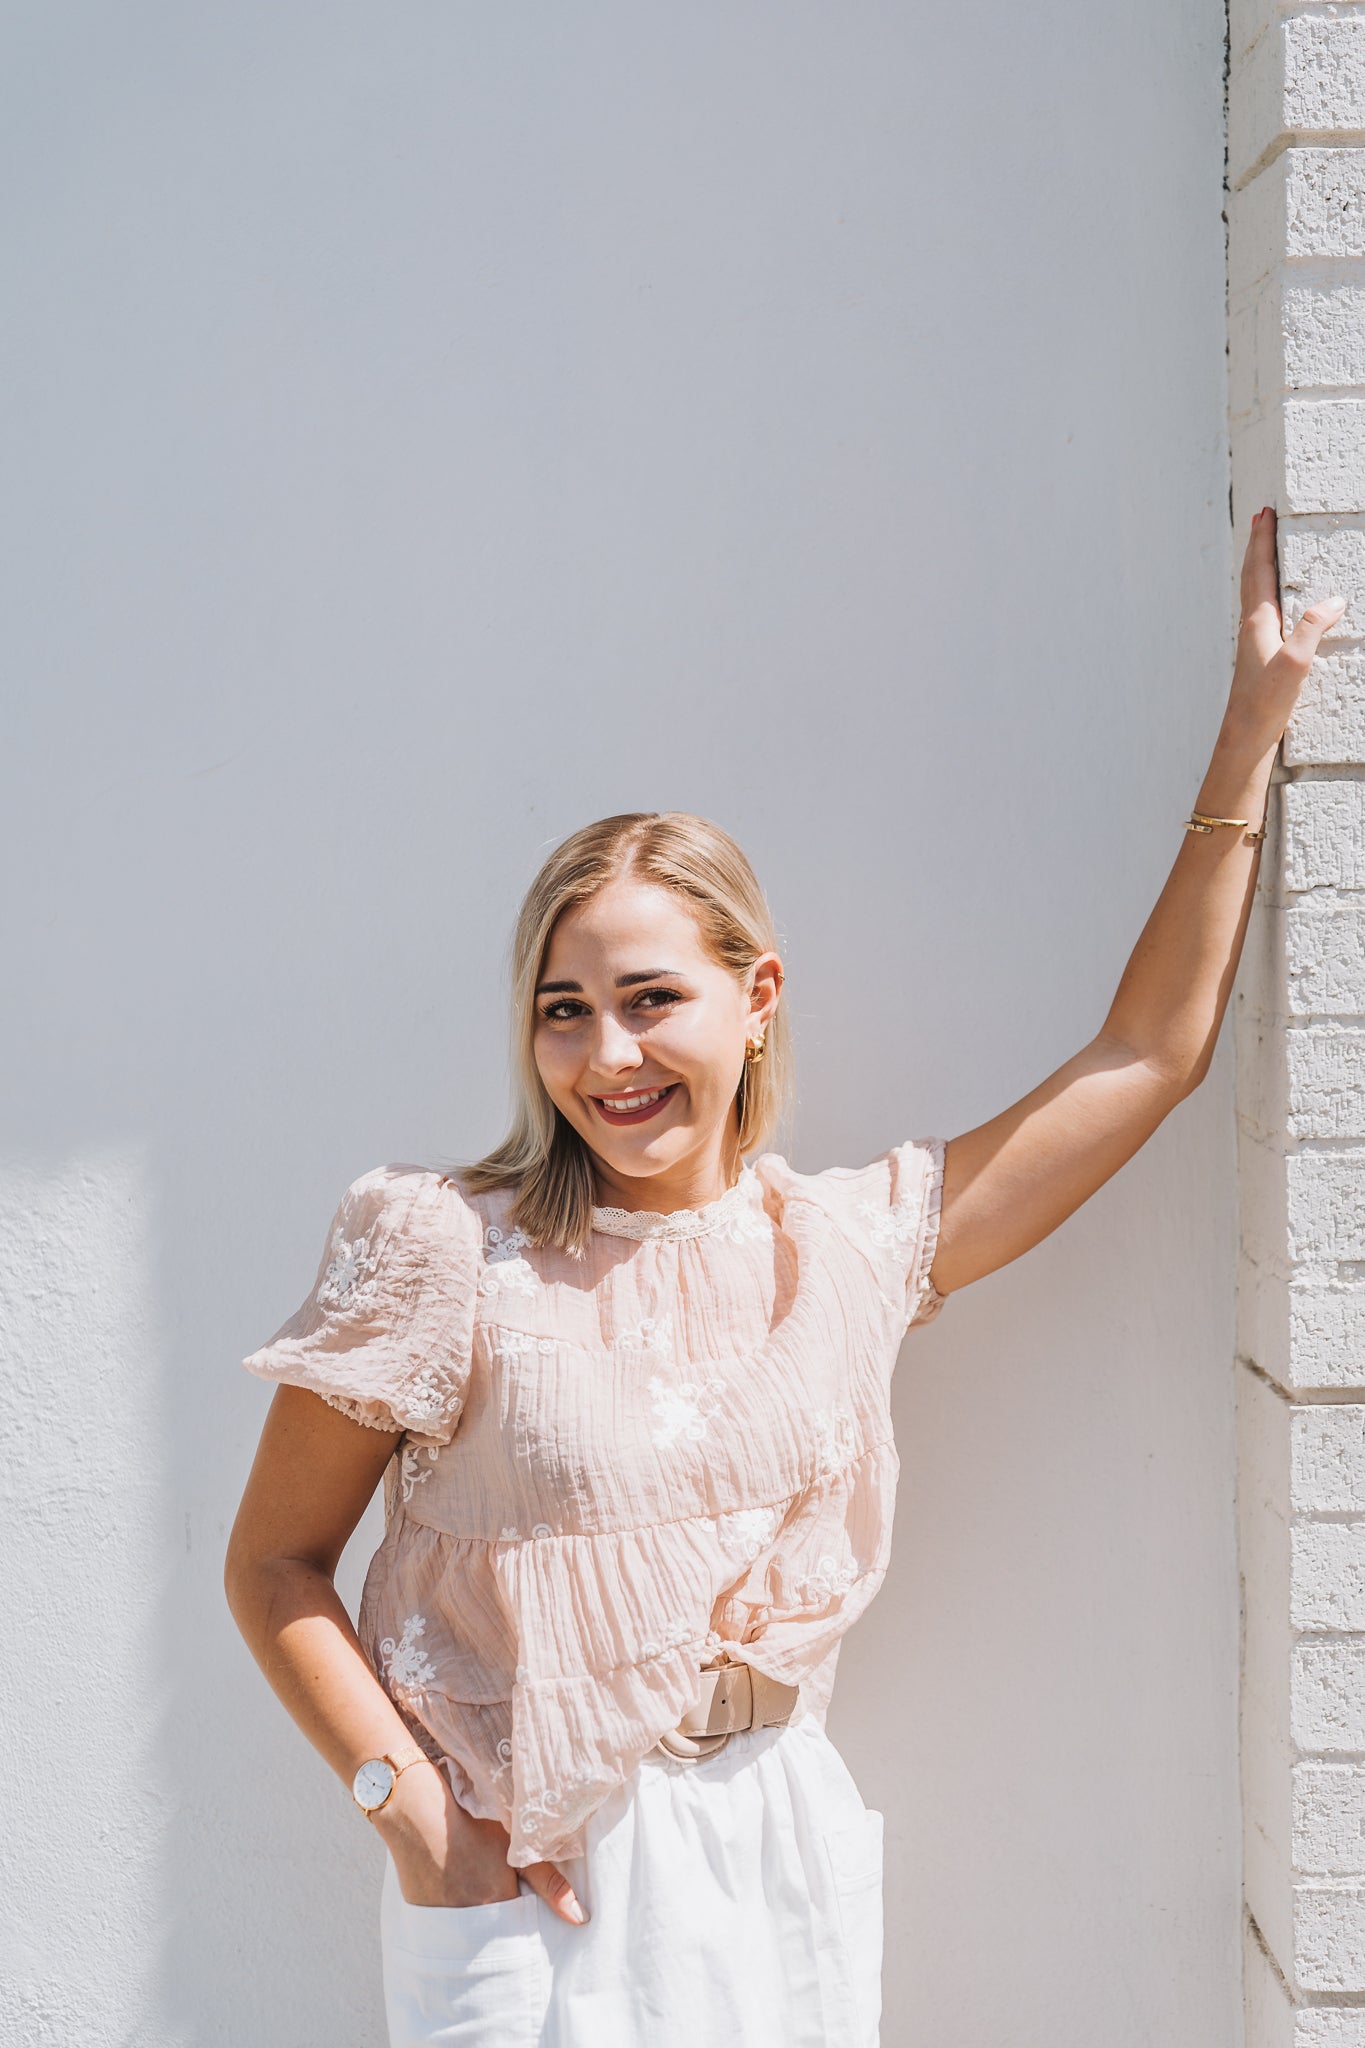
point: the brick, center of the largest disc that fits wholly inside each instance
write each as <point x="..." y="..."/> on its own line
<point x="1322" y="200"/>
<point x="1303" y="79"/>
<point x="1325" y="1205"/>
<point x="1317" y="559"/>
<point x="1324" y="958"/>
<point x="1306" y="206"/>
<point x="1325" y="2028"/>
<point x="1327" y="1459"/>
<point x="1326" y="1081"/>
<point x="1328" y="722"/>
<point x="1327" y="1575"/>
<point x="1248" y="20"/>
<point x="1323" y="330"/>
<point x="1329" y="1936"/>
<point x="1324" y="1067"/>
<point x="1306" y="1337"/>
<point x="1326" y="1336"/>
<point x="1327" y="1695"/>
<point x="1323" y="825"/>
<point x="1324" y="455"/>
<point x="1329" y="1819"/>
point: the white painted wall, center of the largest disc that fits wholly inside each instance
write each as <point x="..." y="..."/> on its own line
<point x="433" y="427"/>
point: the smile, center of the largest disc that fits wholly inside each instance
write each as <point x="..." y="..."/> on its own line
<point x="634" y="1108"/>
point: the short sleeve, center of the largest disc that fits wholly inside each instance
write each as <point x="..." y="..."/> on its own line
<point x="896" y="1203"/>
<point x="385" y="1334"/>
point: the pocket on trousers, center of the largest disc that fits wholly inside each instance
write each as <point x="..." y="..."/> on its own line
<point x="491" y="1936"/>
<point x="855" y="1855"/>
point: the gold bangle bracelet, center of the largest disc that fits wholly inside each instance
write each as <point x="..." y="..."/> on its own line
<point x="1200" y="821"/>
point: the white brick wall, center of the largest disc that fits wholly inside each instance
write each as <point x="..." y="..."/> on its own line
<point x="1296" y="311"/>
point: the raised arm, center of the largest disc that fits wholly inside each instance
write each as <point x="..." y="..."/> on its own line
<point x="1011" y="1181"/>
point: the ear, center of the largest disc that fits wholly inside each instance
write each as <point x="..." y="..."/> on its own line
<point x="765" y="987"/>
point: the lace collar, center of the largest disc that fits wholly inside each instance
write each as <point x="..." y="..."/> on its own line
<point x="652" y="1223"/>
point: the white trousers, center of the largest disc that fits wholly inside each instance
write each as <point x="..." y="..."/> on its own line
<point x="735" y="1902"/>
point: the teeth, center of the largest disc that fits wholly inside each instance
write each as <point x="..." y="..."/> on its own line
<point x="620" y="1102"/>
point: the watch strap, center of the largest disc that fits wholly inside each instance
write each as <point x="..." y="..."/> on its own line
<point x="405" y="1753"/>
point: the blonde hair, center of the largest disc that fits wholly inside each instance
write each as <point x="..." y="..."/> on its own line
<point x="543" y="1157"/>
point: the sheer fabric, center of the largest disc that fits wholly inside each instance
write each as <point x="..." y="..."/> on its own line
<point x="613" y="1468"/>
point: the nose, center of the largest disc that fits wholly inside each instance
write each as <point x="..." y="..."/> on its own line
<point x="614" y="1048"/>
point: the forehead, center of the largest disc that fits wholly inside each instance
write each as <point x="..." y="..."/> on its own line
<point x="624" y="921"/>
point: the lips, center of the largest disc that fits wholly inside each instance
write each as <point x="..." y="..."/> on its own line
<point x="646" y="1103"/>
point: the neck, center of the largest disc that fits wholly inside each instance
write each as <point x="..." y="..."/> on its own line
<point x="691" y="1184"/>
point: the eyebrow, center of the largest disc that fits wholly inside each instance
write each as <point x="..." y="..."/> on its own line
<point x="575" y="988"/>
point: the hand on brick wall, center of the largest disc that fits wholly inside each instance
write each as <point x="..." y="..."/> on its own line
<point x="1271" y="665"/>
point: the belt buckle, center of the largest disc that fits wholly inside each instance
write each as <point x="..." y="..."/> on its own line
<point x="689" y="1748"/>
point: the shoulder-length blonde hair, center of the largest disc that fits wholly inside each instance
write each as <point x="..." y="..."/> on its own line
<point x="543" y="1157"/>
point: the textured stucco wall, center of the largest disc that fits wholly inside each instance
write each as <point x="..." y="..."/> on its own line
<point x="1297" y="348"/>
<point x="429" y="428"/>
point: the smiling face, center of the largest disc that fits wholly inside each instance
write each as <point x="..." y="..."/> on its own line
<point x="639" y="1040"/>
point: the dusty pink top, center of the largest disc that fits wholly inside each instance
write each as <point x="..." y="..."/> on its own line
<point x="611" y="1467"/>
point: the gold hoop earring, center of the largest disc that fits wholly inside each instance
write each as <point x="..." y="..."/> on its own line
<point x="753" y="1052"/>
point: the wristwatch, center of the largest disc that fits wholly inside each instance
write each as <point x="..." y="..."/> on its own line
<point x="372" y="1786"/>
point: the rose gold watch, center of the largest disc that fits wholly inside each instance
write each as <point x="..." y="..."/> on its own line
<point x="372" y="1786"/>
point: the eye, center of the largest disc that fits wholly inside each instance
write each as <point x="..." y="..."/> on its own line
<point x="667" y="995"/>
<point x="553" y="1011"/>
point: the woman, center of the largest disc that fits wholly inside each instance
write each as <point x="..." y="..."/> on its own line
<point x="628" y="1390"/>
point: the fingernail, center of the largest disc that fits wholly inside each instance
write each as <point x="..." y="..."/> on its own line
<point x="574" y="1910"/>
<point x="1337" y="603"/>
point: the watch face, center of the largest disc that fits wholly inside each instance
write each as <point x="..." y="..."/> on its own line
<point x="373" y="1783"/>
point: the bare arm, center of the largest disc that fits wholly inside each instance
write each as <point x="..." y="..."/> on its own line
<point x="314" y="1473"/>
<point x="1010" y="1182"/>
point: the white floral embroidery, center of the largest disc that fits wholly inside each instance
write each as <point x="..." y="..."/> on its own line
<point x="834" y="1437"/>
<point x="541" y="1529"/>
<point x="406" y="1665"/>
<point x="510" y="1345"/>
<point x="680" y="1636"/>
<point x="509" y="1535"/>
<point x="504" y="1762"/>
<point x="409" y="1459"/>
<point x="428" y="1396"/>
<point x="830" y="1579"/>
<point x="649" y="1342"/>
<point x="505" y="1271"/>
<point x="560" y="1808"/>
<point x="743" y="1533"/>
<point x="746" y="1224"/>
<point x="683" y="1408"/>
<point x="350" y="1281"/>
<point x="893" y="1228"/>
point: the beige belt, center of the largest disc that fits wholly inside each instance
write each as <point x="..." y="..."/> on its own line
<point x="731" y="1698"/>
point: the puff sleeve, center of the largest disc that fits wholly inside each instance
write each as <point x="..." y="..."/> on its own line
<point x="385" y="1334"/>
<point x="894" y="1205"/>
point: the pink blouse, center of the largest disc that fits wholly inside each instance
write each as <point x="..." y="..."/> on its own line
<point x="609" y="1468"/>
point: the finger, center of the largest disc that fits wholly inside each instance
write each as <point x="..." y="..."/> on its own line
<point x="1260" y="572"/>
<point x="556" y="1891"/>
<point x="1301" y="644"/>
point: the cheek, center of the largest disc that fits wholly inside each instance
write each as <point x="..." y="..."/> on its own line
<point x="553" y="1062"/>
<point x="704" y="1056"/>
